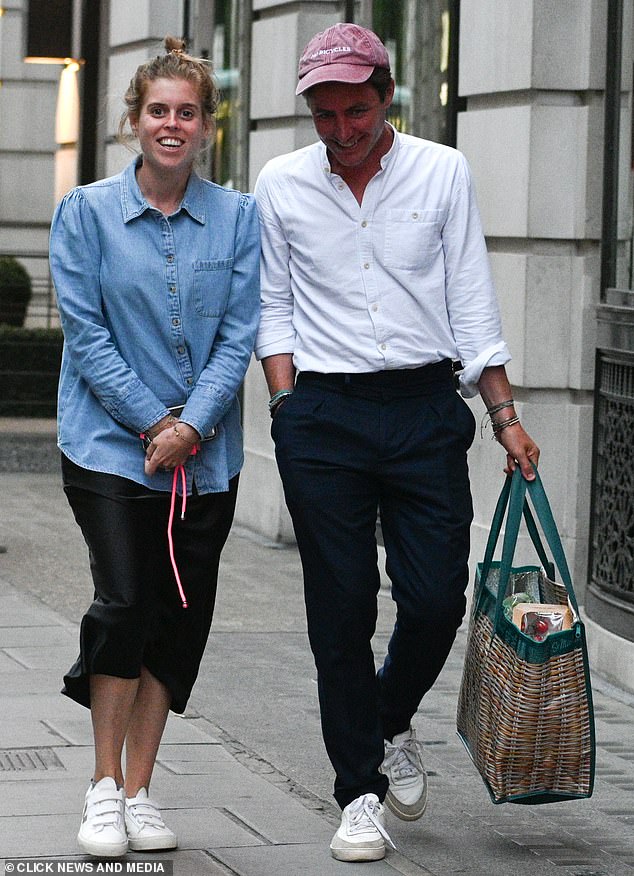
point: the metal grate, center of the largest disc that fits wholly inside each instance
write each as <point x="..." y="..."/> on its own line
<point x="613" y="541"/>
<point x="23" y="759"/>
<point x="617" y="379"/>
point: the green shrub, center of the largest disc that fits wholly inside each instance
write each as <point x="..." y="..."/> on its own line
<point x="29" y="371"/>
<point x="15" y="291"/>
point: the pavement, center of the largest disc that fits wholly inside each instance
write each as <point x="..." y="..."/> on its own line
<point x="242" y="777"/>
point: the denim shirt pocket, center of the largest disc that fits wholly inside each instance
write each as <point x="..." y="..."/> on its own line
<point x="412" y="238"/>
<point x="212" y="283"/>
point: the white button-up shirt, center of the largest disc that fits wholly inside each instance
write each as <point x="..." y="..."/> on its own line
<point x="401" y="281"/>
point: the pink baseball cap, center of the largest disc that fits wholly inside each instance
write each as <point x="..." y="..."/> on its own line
<point x="342" y="53"/>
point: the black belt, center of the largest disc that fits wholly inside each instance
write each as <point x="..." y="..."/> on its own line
<point x="411" y="380"/>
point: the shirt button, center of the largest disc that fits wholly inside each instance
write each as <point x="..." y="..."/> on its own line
<point x="364" y="224"/>
<point x="170" y="259"/>
<point x="366" y="266"/>
<point x="176" y="322"/>
<point x="375" y="307"/>
<point x="190" y="380"/>
<point x="180" y="350"/>
<point x="384" y="346"/>
<point x="414" y="215"/>
<point x="172" y="289"/>
<point x="340" y="186"/>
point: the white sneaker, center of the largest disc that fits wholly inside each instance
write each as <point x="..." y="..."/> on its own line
<point x="145" y="825"/>
<point x="361" y="835"/>
<point x="102" y="830"/>
<point x="403" y="765"/>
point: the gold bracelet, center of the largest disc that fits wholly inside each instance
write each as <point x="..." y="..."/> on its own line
<point x="152" y="434"/>
<point x="181" y="436"/>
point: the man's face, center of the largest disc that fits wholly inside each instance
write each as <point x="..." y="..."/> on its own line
<point x="350" y="120"/>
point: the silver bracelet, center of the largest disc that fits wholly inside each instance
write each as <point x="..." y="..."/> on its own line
<point x="498" y="427"/>
<point x="278" y="398"/>
<point x="509" y="403"/>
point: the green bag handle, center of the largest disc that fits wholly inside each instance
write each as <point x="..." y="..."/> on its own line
<point x="496" y="526"/>
<point x="518" y="489"/>
<point x="548" y="565"/>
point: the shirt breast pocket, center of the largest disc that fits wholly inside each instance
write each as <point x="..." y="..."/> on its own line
<point x="212" y="283"/>
<point x="412" y="238"/>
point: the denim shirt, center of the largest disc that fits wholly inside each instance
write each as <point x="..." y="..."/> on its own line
<point x="156" y="311"/>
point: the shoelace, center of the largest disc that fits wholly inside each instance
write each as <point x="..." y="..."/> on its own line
<point x="180" y="469"/>
<point x="404" y="759"/>
<point x="366" y="809"/>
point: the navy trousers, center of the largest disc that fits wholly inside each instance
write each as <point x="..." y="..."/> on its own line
<point x="348" y="446"/>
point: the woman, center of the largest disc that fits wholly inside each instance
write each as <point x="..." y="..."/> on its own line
<point x="156" y="272"/>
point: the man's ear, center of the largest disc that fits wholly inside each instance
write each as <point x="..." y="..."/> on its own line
<point x="389" y="94"/>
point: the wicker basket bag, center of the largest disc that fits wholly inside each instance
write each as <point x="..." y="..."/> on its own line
<point x="525" y="705"/>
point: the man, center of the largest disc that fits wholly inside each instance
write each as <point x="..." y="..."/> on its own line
<point x="375" y="279"/>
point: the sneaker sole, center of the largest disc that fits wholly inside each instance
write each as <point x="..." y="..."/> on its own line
<point x="352" y="855"/>
<point x="405" y="813"/>
<point x="149" y="845"/>
<point x="102" y="850"/>
<point x="358" y="854"/>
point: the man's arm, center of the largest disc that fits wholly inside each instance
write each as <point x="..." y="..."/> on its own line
<point x="279" y="372"/>
<point x="520" y="448"/>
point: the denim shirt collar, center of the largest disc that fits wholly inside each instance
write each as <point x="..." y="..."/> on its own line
<point x="133" y="203"/>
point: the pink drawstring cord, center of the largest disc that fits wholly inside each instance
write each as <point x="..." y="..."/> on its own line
<point x="180" y="469"/>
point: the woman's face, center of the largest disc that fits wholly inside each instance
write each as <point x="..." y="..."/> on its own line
<point x="171" y="127"/>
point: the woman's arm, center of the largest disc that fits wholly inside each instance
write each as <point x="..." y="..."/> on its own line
<point x="75" y="259"/>
<point x="220" y="380"/>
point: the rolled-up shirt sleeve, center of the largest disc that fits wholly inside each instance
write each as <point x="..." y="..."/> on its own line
<point x="471" y="300"/>
<point x="276" y="333"/>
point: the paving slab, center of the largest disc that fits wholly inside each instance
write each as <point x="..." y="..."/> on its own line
<point x="35" y="657"/>
<point x="293" y="860"/>
<point x="35" y="635"/>
<point x="16" y="733"/>
<point x="39" y="835"/>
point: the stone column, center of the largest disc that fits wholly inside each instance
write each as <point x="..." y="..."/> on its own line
<point x="533" y="72"/>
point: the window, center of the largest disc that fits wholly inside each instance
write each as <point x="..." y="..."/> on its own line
<point x="421" y="38"/>
<point x="220" y="31"/>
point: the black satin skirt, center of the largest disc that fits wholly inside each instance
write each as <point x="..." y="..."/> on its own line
<point x="137" y="618"/>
